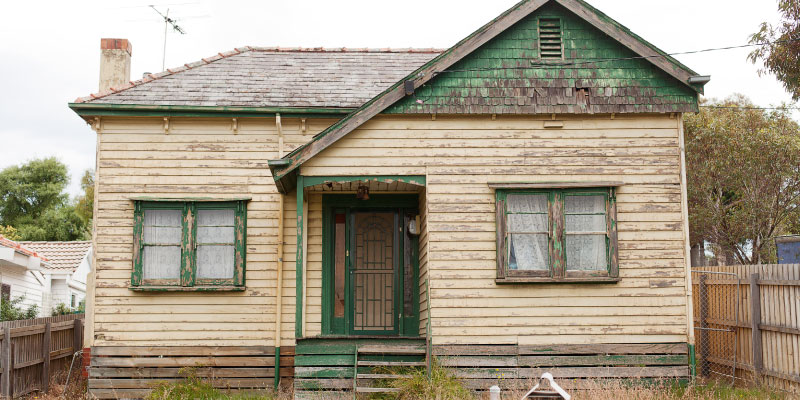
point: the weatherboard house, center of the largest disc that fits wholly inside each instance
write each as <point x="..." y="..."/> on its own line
<point x="511" y="205"/>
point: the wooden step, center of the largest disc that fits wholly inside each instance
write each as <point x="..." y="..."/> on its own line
<point x="391" y="363"/>
<point x="389" y="349"/>
<point x="383" y="376"/>
<point x="376" y="390"/>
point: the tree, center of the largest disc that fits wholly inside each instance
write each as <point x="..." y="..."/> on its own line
<point x="743" y="177"/>
<point x="9" y="232"/>
<point x="780" y="55"/>
<point x="33" y="201"/>
<point x="85" y="202"/>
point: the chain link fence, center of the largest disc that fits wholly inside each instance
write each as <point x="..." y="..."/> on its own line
<point x="716" y="323"/>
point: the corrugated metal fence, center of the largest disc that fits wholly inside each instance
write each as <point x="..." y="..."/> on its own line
<point x="32" y="349"/>
<point x="747" y="323"/>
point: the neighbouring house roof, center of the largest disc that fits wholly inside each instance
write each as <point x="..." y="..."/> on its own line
<point x="515" y="80"/>
<point x="272" y="77"/>
<point x="20" y="248"/>
<point x="61" y="256"/>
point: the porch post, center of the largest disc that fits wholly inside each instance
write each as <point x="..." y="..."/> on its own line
<point x="298" y="324"/>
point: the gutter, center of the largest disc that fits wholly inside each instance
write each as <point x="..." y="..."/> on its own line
<point x="150" y="110"/>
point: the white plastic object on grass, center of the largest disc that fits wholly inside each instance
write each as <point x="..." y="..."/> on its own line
<point x="494" y="393"/>
<point x="553" y="384"/>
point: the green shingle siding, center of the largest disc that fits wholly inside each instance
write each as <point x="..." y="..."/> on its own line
<point x="536" y="86"/>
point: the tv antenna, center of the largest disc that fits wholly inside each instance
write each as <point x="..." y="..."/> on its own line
<point x="167" y="22"/>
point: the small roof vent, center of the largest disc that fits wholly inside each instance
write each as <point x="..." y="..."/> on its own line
<point x="550" y="44"/>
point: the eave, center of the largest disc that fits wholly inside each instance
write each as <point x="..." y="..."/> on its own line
<point x="148" y="110"/>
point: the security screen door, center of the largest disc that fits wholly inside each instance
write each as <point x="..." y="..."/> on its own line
<point x="374" y="244"/>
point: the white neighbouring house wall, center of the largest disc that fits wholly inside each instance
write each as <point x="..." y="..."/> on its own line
<point x="66" y="271"/>
<point x="23" y="270"/>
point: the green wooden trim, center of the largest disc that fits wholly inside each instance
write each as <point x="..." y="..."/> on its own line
<point x="148" y="110"/>
<point x="316" y="180"/>
<point x="277" y="365"/>
<point x="188" y="250"/>
<point x="209" y="288"/>
<point x="189" y="199"/>
<point x="138" y="220"/>
<point x="328" y="273"/>
<point x="692" y="362"/>
<point x="188" y="280"/>
<point x="298" y="321"/>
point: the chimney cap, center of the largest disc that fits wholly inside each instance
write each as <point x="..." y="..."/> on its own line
<point x="116" y="44"/>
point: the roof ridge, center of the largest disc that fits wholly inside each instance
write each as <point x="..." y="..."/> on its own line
<point x="239" y="50"/>
<point x="279" y="49"/>
<point x="168" y="72"/>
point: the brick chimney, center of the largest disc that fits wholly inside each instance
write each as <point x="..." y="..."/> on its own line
<point x="115" y="63"/>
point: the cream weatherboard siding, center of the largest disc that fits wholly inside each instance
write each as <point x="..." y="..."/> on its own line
<point x="195" y="158"/>
<point x="461" y="154"/>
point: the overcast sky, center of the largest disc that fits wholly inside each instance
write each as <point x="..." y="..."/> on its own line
<point x="49" y="51"/>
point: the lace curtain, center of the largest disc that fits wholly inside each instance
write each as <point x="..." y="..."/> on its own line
<point x="162" y="250"/>
<point x="215" y="244"/>
<point x="527" y="227"/>
<point x="586" y="232"/>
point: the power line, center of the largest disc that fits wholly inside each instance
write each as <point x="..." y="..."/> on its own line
<point x="749" y="108"/>
<point x="599" y="60"/>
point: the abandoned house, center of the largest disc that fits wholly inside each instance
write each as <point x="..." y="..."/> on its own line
<point x="511" y="205"/>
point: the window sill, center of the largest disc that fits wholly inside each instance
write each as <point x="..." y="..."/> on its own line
<point x="209" y="288"/>
<point x="515" y="280"/>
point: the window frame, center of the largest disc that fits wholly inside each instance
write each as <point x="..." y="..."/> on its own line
<point x="187" y="280"/>
<point x="557" y="255"/>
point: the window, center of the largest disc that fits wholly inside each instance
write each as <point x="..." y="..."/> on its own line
<point x="556" y="235"/>
<point x="550" y="45"/>
<point x="5" y="293"/>
<point x="189" y="245"/>
<point x="72" y="301"/>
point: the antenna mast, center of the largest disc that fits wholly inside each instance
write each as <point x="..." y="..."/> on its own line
<point x="167" y="22"/>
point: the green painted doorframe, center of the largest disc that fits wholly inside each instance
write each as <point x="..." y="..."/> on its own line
<point x="298" y="319"/>
<point x="401" y="204"/>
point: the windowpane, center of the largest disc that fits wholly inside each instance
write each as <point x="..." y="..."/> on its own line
<point x="161" y="262"/>
<point x="339" y="273"/>
<point x="162" y="226"/>
<point x="215" y="262"/>
<point x="521" y="223"/>
<point x="586" y="223"/>
<point x="586" y="252"/>
<point x="585" y="204"/>
<point x="528" y="252"/>
<point x="215" y="244"/>
<point x="526" y="203"/>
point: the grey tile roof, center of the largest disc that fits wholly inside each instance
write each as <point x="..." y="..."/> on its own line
<point x="274" y="77"/>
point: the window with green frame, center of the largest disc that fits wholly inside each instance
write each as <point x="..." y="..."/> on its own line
<point x="189" y="245"/>
<point x="550" y="235"/>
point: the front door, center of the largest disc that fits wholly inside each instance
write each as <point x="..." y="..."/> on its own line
<point x="370" y="268"/>
<point x="373" y="272"/>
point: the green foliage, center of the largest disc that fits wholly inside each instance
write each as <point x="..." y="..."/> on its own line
<point x="62" y="309"/>
<point x="32" y="201"/>
<point x="193" y="387"/>
<point x="84" y="204"/>
<point x="441" y="385"/>
<point x="781" y="55"/>
<point x="11" y="310"/>
<point x="9" y="232"/>
<point x="743" y="177"/>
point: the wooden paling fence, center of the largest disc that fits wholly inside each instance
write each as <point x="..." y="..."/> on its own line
<point x="747" y="323"/>
<point x="32" y="349"/>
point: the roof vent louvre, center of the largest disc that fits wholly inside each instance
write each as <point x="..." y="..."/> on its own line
<point x="550" y="38"/>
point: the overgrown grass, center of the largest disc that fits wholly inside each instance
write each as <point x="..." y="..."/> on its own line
<point x="441" y="385"/>
<point x="194" y="388"/>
